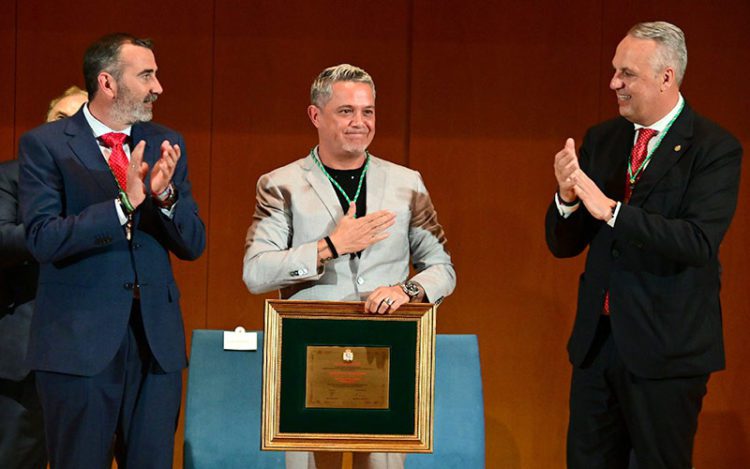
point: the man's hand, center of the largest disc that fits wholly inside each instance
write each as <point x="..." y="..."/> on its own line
<point x="599" y="205"/>
<point x="163" y="170"/>
<point x="355" y="234"/>
<point x="137" y="170"/>
<point x="385" y="300"/>
<point x="566" y="163"/>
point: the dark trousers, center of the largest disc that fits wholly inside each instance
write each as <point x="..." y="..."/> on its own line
<point x="130" y="408"/>
<point x="614" y="413"/>
<point x="21" y="426"/>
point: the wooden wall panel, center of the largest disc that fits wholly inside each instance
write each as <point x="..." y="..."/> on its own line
<point x="7" y="81"/>
<point x="496" y="90"/>
<point x="477" y="96"/>
<point x="267" y="55"/>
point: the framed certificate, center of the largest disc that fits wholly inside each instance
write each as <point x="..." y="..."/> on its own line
<point x="338" y="379"/>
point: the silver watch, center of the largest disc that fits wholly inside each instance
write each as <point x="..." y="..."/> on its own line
<point x="410" y="288"/>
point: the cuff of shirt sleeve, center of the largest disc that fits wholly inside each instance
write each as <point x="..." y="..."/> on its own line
<point x="169" y="212"/>
<point x="611" y="221"/>
<point x="565" y="210"/>
<point x="120" y="213"/>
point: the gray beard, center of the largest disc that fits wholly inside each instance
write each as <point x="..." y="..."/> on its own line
<point x="131" y="114"/>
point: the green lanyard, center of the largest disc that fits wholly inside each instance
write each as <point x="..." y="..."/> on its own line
<point x="632" y="178"/>
<point x="336" y="184"/>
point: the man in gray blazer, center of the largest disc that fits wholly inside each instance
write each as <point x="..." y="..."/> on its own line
<point x="342" y="225"/>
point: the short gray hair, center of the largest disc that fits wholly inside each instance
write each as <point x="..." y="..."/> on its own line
<point x="321" y="89"/>
<point x="672" y="50"/>
<point x="104" y="56"/>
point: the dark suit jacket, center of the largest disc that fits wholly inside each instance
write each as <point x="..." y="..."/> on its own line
<point x="88" y="268"/>
<point x="18" y="277"/>
<point x="660" y="262"/>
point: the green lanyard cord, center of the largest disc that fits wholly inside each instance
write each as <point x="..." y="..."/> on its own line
<point x="336" y="184"/>
<point x="632" y="178"/>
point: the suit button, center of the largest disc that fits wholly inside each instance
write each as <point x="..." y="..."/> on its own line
<point x="615" y="253"/>
<point x="127" y="286"/>
<point x="136" y="245"/>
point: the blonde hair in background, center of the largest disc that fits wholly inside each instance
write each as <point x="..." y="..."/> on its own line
<point x="69" y="92"/>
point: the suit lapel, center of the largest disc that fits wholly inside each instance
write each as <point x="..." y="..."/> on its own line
<point x="84" y="147"/>
<point x="615" y="169"/>
<point x="144" y="132"/>
<point x="376" y="186"/>
<point x="87" y="150"/>
<point x="376" y="176"/>
<point x="673" y="145"/>
<point x="322" y="187"/>
<point x="151" y="153"/>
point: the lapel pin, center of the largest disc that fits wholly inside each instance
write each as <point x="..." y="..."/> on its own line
<point x="677" y="147"/>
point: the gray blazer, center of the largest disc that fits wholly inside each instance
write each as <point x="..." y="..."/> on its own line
<point x="297" y="206"/>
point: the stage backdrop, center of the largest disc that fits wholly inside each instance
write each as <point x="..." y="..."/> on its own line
<point x="476" y="95"/>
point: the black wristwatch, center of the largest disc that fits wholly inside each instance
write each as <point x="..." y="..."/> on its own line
<point x="410" y="288"/>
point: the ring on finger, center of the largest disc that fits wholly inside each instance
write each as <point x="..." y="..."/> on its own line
<point x="388" y="300"/>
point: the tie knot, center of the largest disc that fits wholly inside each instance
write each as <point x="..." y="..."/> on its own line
<point x="113" y="139"/>
<point x="644" y="134"/>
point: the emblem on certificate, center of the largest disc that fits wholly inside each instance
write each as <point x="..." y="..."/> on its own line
<point x="347" y="377"/>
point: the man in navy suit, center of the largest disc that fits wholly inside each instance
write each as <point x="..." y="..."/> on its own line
<point x="651" y="195"/>
<point x="103" y="211"/>
<point x="21" y="426"/>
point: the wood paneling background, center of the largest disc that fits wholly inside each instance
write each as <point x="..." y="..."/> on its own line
<point x="478" y="96"/>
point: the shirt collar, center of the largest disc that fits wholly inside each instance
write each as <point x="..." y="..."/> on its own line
<point x="662" y="123"/>
<point x="98" y="127"/>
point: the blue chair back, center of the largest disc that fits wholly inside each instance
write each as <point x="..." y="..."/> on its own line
<point x="222" y="411"/>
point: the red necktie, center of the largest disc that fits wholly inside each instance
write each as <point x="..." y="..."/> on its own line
<point x="118" y="161"/>
<point x="637" y="157"/>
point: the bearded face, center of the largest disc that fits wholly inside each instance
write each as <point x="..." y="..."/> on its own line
<point x="131" y="107"/>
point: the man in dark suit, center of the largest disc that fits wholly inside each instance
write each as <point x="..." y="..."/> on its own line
<point x="21" y="430"/>
<point x="651" y="196"/>
<point x="21" y="426"/>
<point x="105" y="199"/>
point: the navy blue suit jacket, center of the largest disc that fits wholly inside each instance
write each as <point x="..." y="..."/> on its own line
<point x="88" y="268"/>
<point x="660" y="262"/>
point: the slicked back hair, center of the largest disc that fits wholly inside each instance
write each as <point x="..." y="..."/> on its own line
<point x="672" y="50"/>
<point x="322" y="88"/>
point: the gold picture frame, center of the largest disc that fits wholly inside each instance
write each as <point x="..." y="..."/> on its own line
<point x="405" y="427"/>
